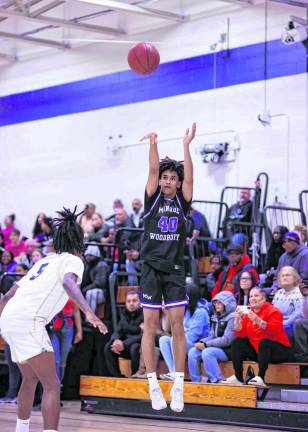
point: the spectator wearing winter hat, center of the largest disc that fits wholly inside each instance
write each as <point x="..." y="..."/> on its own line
<point x="94" y="282"/>
<point x="228" y="279"/>
<point x="296" y="256"/>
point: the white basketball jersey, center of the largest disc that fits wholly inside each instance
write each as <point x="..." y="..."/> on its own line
<point x="40" y="294"/>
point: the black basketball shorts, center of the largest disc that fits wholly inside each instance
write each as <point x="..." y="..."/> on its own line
<point x="157" y="286"/>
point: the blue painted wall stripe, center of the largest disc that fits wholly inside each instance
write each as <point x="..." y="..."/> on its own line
<point x="243" y="65"/>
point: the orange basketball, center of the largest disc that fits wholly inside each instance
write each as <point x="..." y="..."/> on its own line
<point x="143" y="58"/>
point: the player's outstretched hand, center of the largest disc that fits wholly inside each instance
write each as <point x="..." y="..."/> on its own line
<point x="189" y="134"/>
<point x="96" y="322"/>
<point x="152" y="136"/>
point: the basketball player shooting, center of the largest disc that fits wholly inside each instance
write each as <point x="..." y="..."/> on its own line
<point x="30" y="305"/>
<point x="168" y="196"/>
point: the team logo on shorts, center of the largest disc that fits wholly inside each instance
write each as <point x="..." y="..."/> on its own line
<point x="146" y="296"/>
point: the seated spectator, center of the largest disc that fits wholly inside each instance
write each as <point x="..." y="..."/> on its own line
<point x="8" y="265"/>
<point x="136" y="217"/>
<point x="196" y="327"/>
<point x="36" y="255"/>
<point x="241" y="211"/>
<point x="275" y="251"/>
<point x="62" y="334"/>
<point x="296" y="255"/>
<point x="228" y="279"/>
<point x="99" y="228"/>
<point x="126" y="339"/>
<point x="216" y="346"/>
<point x="46" y="227"/>
<point x="197" y="226"/>
<point x="16" y="246"/>
<point x="300" y="328"/>
<point x="85" y="219"/>
<point x="117" y="204"/>
<point x="260" y="337"/>
<point x="37" y="229"/>
<point x="247" y="282"/>
<point x="302" y="232"/>
<point x="132" y="266"/>
<point x="9" y="226"/>
<point x="217" y="263"/>
<point x="288" y="299"/>
<point x="95" y="277"/>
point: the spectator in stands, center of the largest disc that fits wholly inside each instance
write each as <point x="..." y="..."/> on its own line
<point x="217" y="263"/>
<point x="302" y="232"/>
<point x="126" y="340"/>
<point x="196" y="327"/>
<point x="8" y="264"/>
<point x="288" y="299"/>
<point x="99" y="228"/>
<point x="136" y="217"/>
<point x="85" y="220"/>
<point x="132" y="266"/>
<point x="117" y="204"/>
<point x="275" y="251"/>
<point x="197" y="226"/>
<point x="62" y="334"/>
<point x="300" y="328"/>
<point x="216" y="347"/>
<point x="95" y="277"/>
<point x="36" y="255"/>
<point x="9" y="226"/>
<point x="247" y="282"/>
<point x="16" y="245"/>
<point x="37" y="231"/>
<point x="296" y="255"/>
<point x="237" y="213"/>
<point x="228" y="279"/>
<point x="260" y="337"/>
<point x="46" y="237"/>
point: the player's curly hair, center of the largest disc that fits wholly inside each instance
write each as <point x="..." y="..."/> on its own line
<point x="171" y="165"/>
<point x="67" y="233"/>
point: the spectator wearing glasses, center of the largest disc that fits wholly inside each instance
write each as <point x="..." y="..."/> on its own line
<point x="247" y="282"/>
<point x="296" y="255"/>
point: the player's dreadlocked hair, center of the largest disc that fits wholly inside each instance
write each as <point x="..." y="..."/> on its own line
<point x="67" y="233"/>
<point x="171" y="165"/>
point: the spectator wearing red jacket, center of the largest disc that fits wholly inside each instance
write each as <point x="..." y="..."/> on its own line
<point x="228" y="279"/>
<point x="260" y="337"/>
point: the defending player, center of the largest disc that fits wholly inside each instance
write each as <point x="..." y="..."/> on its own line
<point x="167" y="199"/>
<point x="30" y="305"/>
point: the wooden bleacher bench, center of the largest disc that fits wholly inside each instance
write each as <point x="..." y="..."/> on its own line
<point x="194" y="393"/>
<point x="282" y="373"/>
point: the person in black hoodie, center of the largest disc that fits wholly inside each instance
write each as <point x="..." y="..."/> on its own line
<point x="126" y="339"/>
<point x="275" y="251"/>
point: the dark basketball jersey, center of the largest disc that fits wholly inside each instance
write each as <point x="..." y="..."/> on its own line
<point x="164" y="231"/>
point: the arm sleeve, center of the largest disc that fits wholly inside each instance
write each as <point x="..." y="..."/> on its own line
<point x="297" y="313"/>
<point x="242" y="333"/>
<point x="71" y="264"/>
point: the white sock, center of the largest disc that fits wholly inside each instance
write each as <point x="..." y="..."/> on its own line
<point x="152" y="379"/>
<point x="179" y="379"/>
<point x="22" y="425"/>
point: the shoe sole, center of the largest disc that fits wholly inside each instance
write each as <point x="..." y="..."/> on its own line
<point x="176" y="409"/>
<point x="164" y="406"/>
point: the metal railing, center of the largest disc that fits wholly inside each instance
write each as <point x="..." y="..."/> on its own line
<point x="214" y="212"/>
<point x="303" y="203"/>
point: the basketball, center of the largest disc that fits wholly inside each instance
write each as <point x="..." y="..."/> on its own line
<point x="143" y="58"/>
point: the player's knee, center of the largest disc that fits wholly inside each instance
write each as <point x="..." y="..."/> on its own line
<point x="177" y="327"/>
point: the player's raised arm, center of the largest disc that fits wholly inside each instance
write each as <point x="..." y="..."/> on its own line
<point x="187" y="187"/>
<point x="153" y="177"/>
<point x="73" y="291"/>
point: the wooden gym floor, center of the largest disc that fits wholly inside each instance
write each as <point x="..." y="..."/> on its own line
<point x="72" y="420"/>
